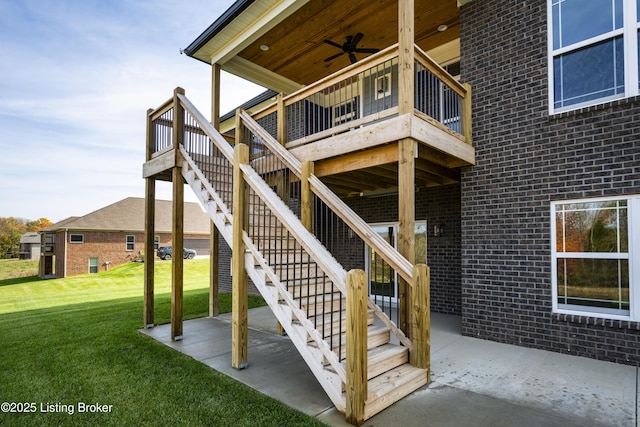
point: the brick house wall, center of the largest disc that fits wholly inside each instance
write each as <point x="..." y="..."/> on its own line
<point x="525" y="159"/>
<point x="107" y="246"/>
<point x="437" y="205"/>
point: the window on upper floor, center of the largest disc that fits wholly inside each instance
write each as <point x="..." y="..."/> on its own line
<point x="595" y="246"/>
<point x="593" y="52"/>
<point x="76" y="238"/>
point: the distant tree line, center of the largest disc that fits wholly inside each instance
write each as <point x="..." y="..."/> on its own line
<point x="11" y="229"/>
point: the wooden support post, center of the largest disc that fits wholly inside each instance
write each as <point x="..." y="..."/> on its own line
<point x="239" y="294"/>
<point x="282" y="120"/>
<point x="215" y="96"/>
<point x="214" y="286"/>
<point x="356" y="336"/>
<point x="307" y="196"/>
<point x="466" y="115"/>
<point x="149" y="231"/>
<point x="149" y="253"/>
<point x="406" y="219"/>
<point x="421" y="318"/>
<point x="177" y="262"/>
<point x="214" y="240"/>
<point x="406" y="56"/>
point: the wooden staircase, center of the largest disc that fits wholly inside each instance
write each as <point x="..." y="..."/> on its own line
<point x="302" y="283"/>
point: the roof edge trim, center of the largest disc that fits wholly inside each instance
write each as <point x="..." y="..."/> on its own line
<point x="218" y="25"/>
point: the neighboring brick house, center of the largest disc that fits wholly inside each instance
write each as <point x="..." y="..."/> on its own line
<point x="112" y="236"/>
<point x="538" y="243"/>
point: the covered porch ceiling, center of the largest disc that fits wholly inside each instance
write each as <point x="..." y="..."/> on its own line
<point x="280" y="44"/>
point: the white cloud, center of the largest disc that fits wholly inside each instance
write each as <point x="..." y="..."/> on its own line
<point x="77" y="79"/>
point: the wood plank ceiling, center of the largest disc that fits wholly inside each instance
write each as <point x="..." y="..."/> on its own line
<point x="296" y="47"/>
<point x="296" y="50"/>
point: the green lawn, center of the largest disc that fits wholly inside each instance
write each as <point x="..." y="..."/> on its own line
<point x="13" y="268"/>
<point x="70" y="342"/>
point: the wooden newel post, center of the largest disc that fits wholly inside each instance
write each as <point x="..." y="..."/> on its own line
<point x="421" y="318"/>
<point x="239" y="294"/>
<point x="356" y="364"/>
<point x="466" y="114"/>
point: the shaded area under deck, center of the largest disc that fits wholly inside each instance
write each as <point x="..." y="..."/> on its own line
<point x="475" y="382"/>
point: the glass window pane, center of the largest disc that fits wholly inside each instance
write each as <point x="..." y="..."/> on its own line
<point x="593" y="227"/>
<point x="570" y="16"/>
<point x="586" y="74"/>
<point x="602" y="283"/>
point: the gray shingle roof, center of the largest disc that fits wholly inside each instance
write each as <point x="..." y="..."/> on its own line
<point x="128" y="215"/>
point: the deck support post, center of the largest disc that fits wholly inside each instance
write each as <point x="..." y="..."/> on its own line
<point x="177" y="226"/>
<point x="239" y="294"/>
<point x="177" y="262"/>
<point x="407" y="152"/>
<point x="149" y="253"/>
<point x="356" y="342"/>
<point x="420" y="356"/>
<point x="149" y="232"/>
<point x="406" y="56"/>
<point x="214" y="240"/>
<point x="406" y="218"/>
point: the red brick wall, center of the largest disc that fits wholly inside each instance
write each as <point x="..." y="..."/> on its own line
<point x="106" y="246"/>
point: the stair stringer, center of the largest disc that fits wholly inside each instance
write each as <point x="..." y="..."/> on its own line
<point x="330" y="381"/>
<point x="274" y="293"/>
<point x="391" y="386"/>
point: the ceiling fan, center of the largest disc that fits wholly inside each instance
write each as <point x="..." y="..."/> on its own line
<point x="350" y="47"/>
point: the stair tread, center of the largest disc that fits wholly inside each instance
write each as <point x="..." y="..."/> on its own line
<point x="388" y="388"/>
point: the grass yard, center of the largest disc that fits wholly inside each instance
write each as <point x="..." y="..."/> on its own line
<point x="73" y="342"/>
<point x="15" y="269"/>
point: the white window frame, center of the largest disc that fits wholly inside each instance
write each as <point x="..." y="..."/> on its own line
<point x="633" y="214"/>
<point x="97" y="265"/>
<point x="629" y="33"/>
<point x="77" y="241"/>
<point x="132" y="243"/>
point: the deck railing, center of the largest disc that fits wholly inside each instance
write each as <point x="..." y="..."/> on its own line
<point x="336" y="226"/>
<point x="364" y="93"/>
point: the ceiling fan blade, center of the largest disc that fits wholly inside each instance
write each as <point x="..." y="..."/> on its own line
<point x="356" y="40"/>
<point x="339" y="46"/>
<point x="334" y="56"/>
<point x="353" y="58"/>
<point x="367" y="50"/>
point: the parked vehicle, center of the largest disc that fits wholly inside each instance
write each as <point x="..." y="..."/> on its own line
<point x="164" y="253"/>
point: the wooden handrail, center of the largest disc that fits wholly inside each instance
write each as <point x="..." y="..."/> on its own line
<point x="215" y="136"/>
<point x="440" y="72"/>
<point x="344" y="212"/>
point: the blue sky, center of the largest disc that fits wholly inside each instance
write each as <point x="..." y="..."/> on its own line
<point x="76" y="79"/>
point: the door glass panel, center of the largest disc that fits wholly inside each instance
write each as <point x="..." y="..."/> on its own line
<point x="382" y="279"/>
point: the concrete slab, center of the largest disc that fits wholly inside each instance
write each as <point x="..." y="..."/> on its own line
<point x="475" y="382"/>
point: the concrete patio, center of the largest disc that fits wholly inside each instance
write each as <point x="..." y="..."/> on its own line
<point x="474" y="382"/>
